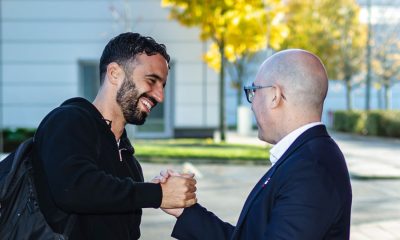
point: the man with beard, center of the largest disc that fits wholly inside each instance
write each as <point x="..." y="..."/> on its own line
<point x="85" y="172"/>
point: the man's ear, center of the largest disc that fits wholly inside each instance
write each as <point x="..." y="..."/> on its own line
<point x="277" y="96"/>
<point x="115" y="74"/>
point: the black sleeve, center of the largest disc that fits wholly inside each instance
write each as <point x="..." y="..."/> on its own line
<point x="67" y="147"/>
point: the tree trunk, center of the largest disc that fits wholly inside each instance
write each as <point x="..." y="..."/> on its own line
<point x="240" y="83"/>
<point x="222" y="119"/>
<point x="348" y="94"/>
<point x="240" y="93"/>
<point x="387" y="96"/>
<point x="380" y="97"/>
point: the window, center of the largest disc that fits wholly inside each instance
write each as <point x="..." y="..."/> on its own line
<point x="89" y="80"/>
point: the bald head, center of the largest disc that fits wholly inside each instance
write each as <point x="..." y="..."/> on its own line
<point x="302" y="77"/>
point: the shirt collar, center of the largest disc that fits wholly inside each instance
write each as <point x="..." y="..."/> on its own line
<point x="280" y="148"/>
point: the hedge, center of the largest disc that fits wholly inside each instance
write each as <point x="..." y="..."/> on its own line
<point x="349" y="121"/>
<point x="391" y="121"/>
<point x="372" y="123"/>
<point x="13" y="137"/>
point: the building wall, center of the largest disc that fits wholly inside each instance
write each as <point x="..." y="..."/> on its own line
<point x="42" y="42"/>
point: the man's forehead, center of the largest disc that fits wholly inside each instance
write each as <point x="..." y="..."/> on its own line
<point x="143" y="56"/>
<point x="156" y="61"/>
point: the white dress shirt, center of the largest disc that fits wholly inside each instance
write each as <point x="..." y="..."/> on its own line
<point x="280" y="148"/>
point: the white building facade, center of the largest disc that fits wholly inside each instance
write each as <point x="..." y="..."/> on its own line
<point x="50" y="51"/>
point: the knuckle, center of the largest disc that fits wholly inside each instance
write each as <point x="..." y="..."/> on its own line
<point x="185" y="189"/>
<point x="187" y="197"/>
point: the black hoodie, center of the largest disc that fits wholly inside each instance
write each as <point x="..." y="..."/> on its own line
<point x="80" y="169"/>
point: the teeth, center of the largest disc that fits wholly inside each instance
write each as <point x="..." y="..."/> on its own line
<point x="147" y="104"/>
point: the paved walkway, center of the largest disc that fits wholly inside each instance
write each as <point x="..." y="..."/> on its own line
<point x="375" y="159"/>
<point x="367" y="157"/>
<point x="223" y="190"/>
<point x="374" y="164"/>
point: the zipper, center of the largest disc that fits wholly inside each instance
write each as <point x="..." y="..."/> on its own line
<point x="120" y="153"/>
<point x="126" y="163"/>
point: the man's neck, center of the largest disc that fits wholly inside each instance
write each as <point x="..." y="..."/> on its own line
<point x="117" y="128"/>
<point x="110" y="114"/>
<point x="290" y="126"/>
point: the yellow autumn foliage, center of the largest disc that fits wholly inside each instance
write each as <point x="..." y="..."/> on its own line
<point x="240" y="26"/>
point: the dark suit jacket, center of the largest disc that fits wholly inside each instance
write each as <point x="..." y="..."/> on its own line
<point x="308" y="196"/>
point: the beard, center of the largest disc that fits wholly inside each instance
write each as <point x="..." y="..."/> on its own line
<point x="128" y="99"/>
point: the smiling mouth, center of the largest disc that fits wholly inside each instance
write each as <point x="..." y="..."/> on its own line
<point x="147" y="104"/>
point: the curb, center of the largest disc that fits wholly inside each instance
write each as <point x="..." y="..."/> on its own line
<point x="354" y="136"/>
<point x="199" y="161"/>
<point x="372" y="177"/>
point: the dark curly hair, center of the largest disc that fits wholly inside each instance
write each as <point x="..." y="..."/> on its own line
<point x="123" y="49"/>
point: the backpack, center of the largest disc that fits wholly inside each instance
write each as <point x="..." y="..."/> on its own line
<point x="20" y="215"/>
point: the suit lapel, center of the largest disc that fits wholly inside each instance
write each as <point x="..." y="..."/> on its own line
<point x="256" y="190"/>
<point x="317" y="131"/>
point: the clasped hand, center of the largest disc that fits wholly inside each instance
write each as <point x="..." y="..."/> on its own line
<point x="178" y="191"/>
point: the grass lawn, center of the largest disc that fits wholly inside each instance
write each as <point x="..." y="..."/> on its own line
<point x="198" y="150"/>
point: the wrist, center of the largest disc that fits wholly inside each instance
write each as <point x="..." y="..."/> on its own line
<point x="179" y="212"/>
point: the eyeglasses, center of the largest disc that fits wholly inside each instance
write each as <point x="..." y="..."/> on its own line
<point x="251" y="90"/>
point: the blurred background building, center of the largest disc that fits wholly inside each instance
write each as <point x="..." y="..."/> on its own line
<point x="50" y="52"/>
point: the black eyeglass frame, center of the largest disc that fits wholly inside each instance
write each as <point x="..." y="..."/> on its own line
<point x="251" y="90"/>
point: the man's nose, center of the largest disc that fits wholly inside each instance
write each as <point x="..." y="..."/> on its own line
<point x="158" y="93"/>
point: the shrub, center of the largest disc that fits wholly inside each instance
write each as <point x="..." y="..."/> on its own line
<point x="373" y="123"/>
<point x="349" y="121"/>
<point x="13" y="137"/>
<point x="391" y="124"/>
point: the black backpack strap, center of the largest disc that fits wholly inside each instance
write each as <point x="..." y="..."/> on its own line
<point x="19" y="157"/>
<point x="70" y="225"/>
<point x="71" y="218"/>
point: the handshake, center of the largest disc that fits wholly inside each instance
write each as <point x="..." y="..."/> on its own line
<point x="178" y="191"/>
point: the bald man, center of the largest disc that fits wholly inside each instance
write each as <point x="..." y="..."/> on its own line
<point x="306" y="194"/>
